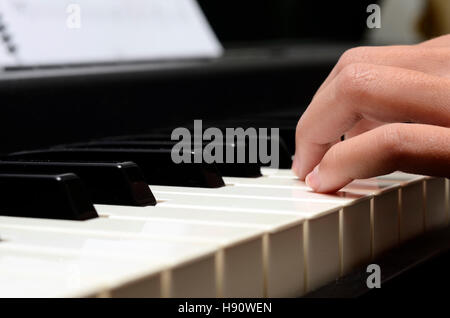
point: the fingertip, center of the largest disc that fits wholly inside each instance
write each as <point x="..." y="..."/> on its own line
<point x="298" y="168"/>
<point x="295" y="166"/>
<point x="312" y="180"/>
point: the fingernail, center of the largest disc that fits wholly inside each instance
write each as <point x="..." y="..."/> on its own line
<point x="297" y="169"/>
<point x="294" y="165"/>
<point x="313" y="179"/>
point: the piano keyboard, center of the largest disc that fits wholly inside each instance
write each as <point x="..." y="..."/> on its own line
<point x="266" y="236"/>
<point x="117" y="218"/>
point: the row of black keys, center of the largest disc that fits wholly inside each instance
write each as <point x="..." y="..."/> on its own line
<point x="61" y="182"/>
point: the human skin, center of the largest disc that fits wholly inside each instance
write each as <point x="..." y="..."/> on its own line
<point x="392" y="104"/>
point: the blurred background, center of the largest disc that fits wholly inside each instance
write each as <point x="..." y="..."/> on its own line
<point x="277" y="53"/>
<point x="255" y="21"/>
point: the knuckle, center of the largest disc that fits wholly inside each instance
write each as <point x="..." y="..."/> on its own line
<point x="391" y="140"/>
<point x="355" y="80"/>
<point x="353" y="55"/>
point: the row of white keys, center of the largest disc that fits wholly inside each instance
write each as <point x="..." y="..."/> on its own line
<point x="26" y="273"/>
<point x="422" y="203"/>
<point x="321" y="239"/>
<point x="283" y="238"/>
<point x="30" y="271"/>
<point x="283" y="245"/>
<point x="436" y="212"/>
<point x="239" y="256"/>
<point x="321" y="243"/>
<point x="130" y="266"/>
<point x="283" y="248"/>
<point x="384" y="203"/>
<point x="431" y="206"/>
<point x="384" y="212"/>
<point x="354" y="223"/>
<point x="354" y="212"/>
<point x="275" y="214"/>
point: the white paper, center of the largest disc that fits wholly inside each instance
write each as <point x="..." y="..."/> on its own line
<point x="80" y="31"/>
<point x="5" y="57"/>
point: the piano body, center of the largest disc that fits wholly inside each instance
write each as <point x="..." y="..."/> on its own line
<point x="92" y="207"/>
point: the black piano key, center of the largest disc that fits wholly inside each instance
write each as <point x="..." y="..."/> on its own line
<point x="159" y="136"/>
<point x="107" y="183"/>
<point x="285" y="140"/>
<point x="45" y="196"/>
<point x="286" y="127"/>
<point x="288" y="135"/>
<point x="236" y="169"/>
<point x="286" y="114"/>
<point x="156" y="165"/>
<point x="285" y="154"/>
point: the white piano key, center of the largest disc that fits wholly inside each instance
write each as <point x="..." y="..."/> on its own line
<point x="192" y="280"/>
<point x="264" y="221"/>
<point x="15" y="284"/>
<point x="384" y="212"/>
<point x="285" y="263"/>
<point x="74" y="273"/>
<point x="259" y="193"/>
<point x="176" y="257"/>
<point x="402" y="176"/>
<point x="249" y="205"/>
<point x="385" y="221"/>
<point x="243" y="242"/>
<point x="175" y="230"/>
<point x="412" y="218"/>
<point x="321" y="250"/>
<point x="277" y="172"/>
<point x="412" y="203"/>
<point x="355" y="235"/>
<point x="266" y="181"/>
<point x="241" y="270"/>
<point x="435" y="203"/>
<point x="397" y="175"/>
<point x="283" y="243"/>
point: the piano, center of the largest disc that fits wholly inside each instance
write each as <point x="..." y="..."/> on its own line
<point x="92" y="205"/>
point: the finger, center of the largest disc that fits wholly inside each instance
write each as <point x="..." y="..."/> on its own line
<point x="440" y="41"/>
<point x="361" y="127"/>
<point x="373" y="92"/>
<point x="414" y="148"/>
<point x="426" y="58"/>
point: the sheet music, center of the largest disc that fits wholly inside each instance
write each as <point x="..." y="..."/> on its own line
<point x="78" y="31"/>
<point x="5" y="57"/>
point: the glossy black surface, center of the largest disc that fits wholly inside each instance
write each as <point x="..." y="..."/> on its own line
<point x="107" y="183"/>
<point x="234" y="169"/>
<point x="156" y="165"/>
<point x="45" y="107"/>
<point x="164" y="140"/>
<point x="45" y="196"/>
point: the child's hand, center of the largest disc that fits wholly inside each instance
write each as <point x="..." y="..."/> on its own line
<point x="369" y="95"/>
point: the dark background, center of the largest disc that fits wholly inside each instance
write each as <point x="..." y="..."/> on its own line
<point x="290" y="46"/>
<point x="250" y="21"/>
